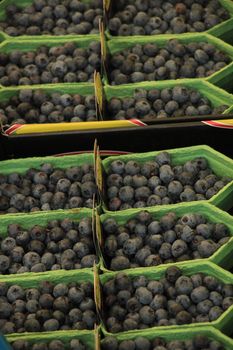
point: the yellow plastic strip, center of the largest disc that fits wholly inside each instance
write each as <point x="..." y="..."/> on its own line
<point x="64" y="127"/>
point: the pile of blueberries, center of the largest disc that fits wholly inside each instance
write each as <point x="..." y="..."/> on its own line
<point x="149" y="62"/>
<point x="74" y="344"/>
<point x="65" y="244"/>
<point x="47" y="308"/>
<point x="178" y="101"/>
<point x="50" y="65"/>
<point x="135" y="184"/>
<point x="145" y="241"/>
<point x="47" y="188"/>
<point x="35" y="106"/>
<point x="53" y="17"/>
<point x="176" y="299"/>
<point x="142" y="343"/>
<point x="146" y="17"/>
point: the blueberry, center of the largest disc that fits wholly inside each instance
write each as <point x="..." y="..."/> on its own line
<point x="143" y="295"/>
<point x="227" y="290"/>
<point x="196" y="280"/>
<point x="199" y="294"/>
<point x="204" y="306"/>
<point x="126" y="193"/>
<point x="179" y="247"/>
<point x="8" y="244"/>
<point x="147" y="315"/>
<point x="187" y="234"/>
<point x="206" y="248"/>
<point x="183" y="317"/>
<point x="184" y="286"/>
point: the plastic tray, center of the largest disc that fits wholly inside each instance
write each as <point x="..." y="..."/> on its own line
<point x="22" y="165"/>
<point x="84" y="90"/>
<point x="218" y="30"/>
<point x="220" y="164"/>
<point x="24" y="3"/>
<point x="55" y="277"/>
<point x="216" y="96"/>
<point x="223" y="323"/>
<point x="41" y="218"/>
<point x="117" y="45"/>
<point x="222" y="257"/>
<point x="31" y="45"/>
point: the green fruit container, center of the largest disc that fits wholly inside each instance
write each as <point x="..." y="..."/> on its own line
<point x="222" y="257"/>
<point x="216" y="96"/>
<point x="219" y="30"/>
<point x="32" y="45"/>
<point x="33" y="281"/>
<point x="22" y="165"/>
<point x="24" y="3"/>
<point x="87" y="89"/>
<point x="181" y="334"/>
<point x="223" y="323"/>
<point x="86" y="337"/>
<point x="220" y="164"/>
<point x="27" y="221"/>
<point x="116" y="45"/>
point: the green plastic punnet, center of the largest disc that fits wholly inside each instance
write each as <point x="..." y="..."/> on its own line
<point x="222" y="257"/>
<point x="22" y="165"/>
<point x="32" y="45"/>
<point x="55" y="277"/>
<point x="86" y="337"/>
<point x="117" y="45"/>
<point x="216" y="96"/>
<point x="219" y="30"/>
<point x="42" y="218"/>
<point x="220" y="164"/>
<point x="24" y="3"/>
<point x="181" y="334"/>
<point x="223" y="323"/>
<point x="76" y="88"/>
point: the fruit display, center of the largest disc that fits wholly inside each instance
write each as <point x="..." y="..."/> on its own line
<point x="47" y="307"/>
<point x="136" y="302"/>
<point x="142" y="343"/>
<point x="35" y="106"/>
<point x="175" y="60"/>
<point x="144" y="241"/>
<point x="65" y="63"/>
<point x="134" y="184"/>
<point x="178" y="101"/>
<point x="47" y="188"/>
<point x="54" y="17"/>
<point x="112" y="250"/>
<point x="63" y="244"/>
<point x="165" y="17"/>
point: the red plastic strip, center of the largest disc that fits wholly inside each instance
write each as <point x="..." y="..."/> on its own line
<point x="137" y="122"/>
<point x="13" y="128"/>
<point x="217" y="124"/>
